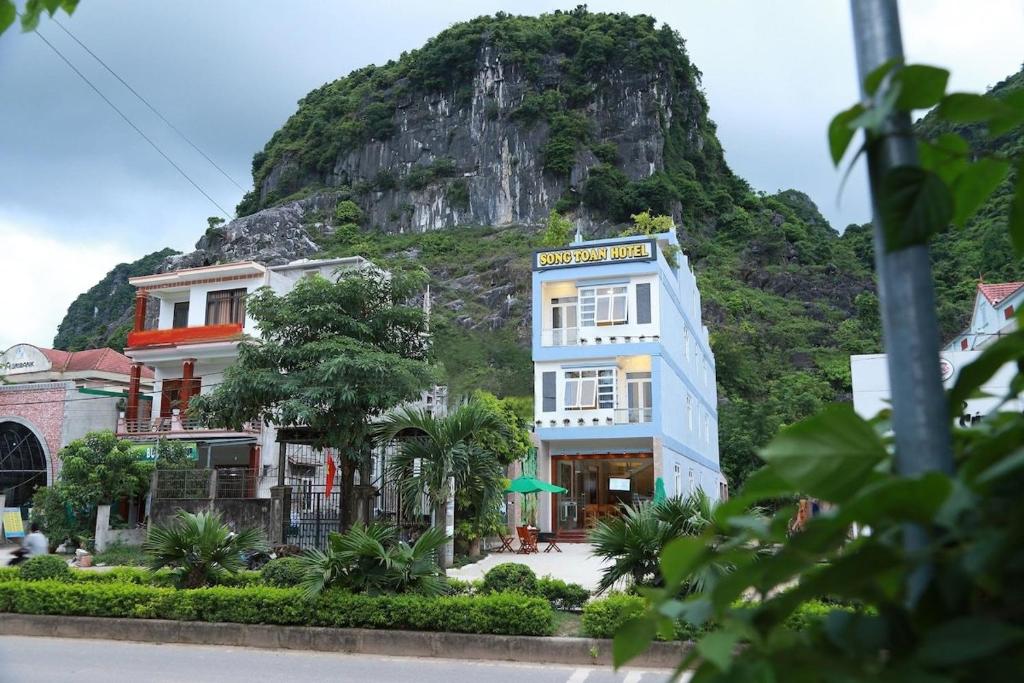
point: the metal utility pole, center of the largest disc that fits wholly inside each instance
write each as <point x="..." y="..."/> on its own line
<point x="921" y="420"/>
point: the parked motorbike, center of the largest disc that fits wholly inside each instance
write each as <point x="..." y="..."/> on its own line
<point x="18" y="556"/>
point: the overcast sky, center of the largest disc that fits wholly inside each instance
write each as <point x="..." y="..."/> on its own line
<point x="80" y="191"/>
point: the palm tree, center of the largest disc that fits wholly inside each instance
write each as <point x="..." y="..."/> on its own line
<point x="436" y="456"/>
<point x="373" y="560"/>
<point x="200" y="548"/>
<point x="634" y="540"/>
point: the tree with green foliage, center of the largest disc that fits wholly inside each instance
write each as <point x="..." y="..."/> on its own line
<point x="438" y="457"/>
<point x="510" y="440"/>
<point x="332" y="357"/>
<point x="646" y="224"/>
<point x="172" y="454"/>
<point x="100" y="469"/>
<point x="32" y="11"/>
<point x="557" y="231"/>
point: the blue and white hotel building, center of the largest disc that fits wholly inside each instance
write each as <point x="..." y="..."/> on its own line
<point x="624" y="378"/>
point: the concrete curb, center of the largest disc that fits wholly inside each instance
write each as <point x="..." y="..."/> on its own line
<point x="554" y="650"/>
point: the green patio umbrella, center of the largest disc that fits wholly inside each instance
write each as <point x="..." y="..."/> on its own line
<point x="659" y="491"/>
<point x="532" y="485"/>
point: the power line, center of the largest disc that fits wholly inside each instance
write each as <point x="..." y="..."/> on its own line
<point x="129" y="122"/>
<point x="147" y="103"/>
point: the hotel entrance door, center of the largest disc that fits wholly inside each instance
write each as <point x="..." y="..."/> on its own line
<point x="598" y="486"/>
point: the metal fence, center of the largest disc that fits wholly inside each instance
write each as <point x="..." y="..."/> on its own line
<point x="191" y="484"/>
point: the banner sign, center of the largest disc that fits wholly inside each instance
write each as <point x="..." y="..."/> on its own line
<point x="13" y="526"/>
<point x="147" y="451"/>
<point x="593" y="255"/>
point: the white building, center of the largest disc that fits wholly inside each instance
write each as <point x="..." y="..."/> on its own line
<point x="994" y="315"/>
<point x="201" y="320"/>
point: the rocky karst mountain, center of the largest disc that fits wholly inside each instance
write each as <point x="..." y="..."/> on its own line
<point x="452" y="156"/>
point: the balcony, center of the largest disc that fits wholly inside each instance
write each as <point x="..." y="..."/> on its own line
<point x="176" y="427"/>
<point x="184" y="335"/>
<point x="606" y="417"/>
<point x="590" y="336"/>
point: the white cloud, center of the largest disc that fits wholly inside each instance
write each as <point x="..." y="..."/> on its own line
<point x="41" y="273"/>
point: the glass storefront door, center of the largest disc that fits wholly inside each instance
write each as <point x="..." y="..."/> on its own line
<point x="598" y="487"/>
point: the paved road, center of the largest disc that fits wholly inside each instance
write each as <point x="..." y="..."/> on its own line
<point x="55" y="660"/>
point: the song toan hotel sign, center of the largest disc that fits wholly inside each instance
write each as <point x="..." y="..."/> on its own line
<point x="594" y="255"/>
<point x="21" y="359"/>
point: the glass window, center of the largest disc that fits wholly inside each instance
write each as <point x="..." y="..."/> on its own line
<point x="225" y="306"/>
<point x="678" y="477"/>
<point x="689" y="412"/>
<point x="180" y="314"/>
<point x="686" y="342"/>
<point x="603" y="305"/>
<point x="588" y="389"/>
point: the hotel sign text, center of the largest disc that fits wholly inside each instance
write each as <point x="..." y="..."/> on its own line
<point x="586" y="256"/>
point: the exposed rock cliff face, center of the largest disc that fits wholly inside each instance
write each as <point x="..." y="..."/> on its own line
<point x="497" y="159"/>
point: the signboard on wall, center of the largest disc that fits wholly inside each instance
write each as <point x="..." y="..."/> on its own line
<point x="21" y="359"/>
<point x="596" y="254"/>
<point x="147" y="451"/>
<point x="14" y="527"/>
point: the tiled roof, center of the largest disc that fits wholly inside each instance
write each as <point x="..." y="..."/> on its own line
<point x="995" y="293"/>
<point x="101" y="360"/>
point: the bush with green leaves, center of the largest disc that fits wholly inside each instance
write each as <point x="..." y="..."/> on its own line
<point x="562" y="595"/>
<point x="283" y="572"/>
<point x="374" y="560"/>
<point x="347" y="211"/>
<point x="199" y="548"/>
<point x="44" y="567"/>
<point x="504" y="614"/>
<point x="510" y="577"/>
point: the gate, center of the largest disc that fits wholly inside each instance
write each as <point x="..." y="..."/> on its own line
<point x="314" y="515"/>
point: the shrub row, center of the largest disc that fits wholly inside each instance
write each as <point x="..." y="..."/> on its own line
<point x="602" y="618"/>
<point x="504" y="613"/>
<point x="516" y="578"/>
<point x="35" y="571"/>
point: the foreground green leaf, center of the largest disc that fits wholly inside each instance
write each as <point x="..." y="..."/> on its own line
<point x="841" y="130"/>
<point x="827" y="455"/>
<point x="914" y="204"/>
<point x="922" y="86"/>
<point x="631" y="639"/>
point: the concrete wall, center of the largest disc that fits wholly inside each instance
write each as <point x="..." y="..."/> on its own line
<point x="239" y="514"/>
<point x="871" y="392"/>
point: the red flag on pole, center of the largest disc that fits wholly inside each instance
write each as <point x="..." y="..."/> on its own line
<point x="332" y="469"/>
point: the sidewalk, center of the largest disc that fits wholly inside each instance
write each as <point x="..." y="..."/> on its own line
<point x="574" y="564"/>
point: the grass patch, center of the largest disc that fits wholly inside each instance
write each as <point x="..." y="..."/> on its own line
<point x="120" y="554"/>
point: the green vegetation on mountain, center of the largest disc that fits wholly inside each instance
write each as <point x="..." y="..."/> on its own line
<point x="982" y="249"/>
<point x="581" y="46"/>
<point x="102" y="315"/>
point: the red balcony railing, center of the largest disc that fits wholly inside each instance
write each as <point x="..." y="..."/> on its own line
<point x="175" y="426"/>
<point x="184" y="335"/>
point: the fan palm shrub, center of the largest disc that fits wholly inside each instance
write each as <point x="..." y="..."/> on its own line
<point x="374" y="560"/>
<point x="438" y="456"/>
<point x="200" y="548"/>
<point x="633" y="541"/>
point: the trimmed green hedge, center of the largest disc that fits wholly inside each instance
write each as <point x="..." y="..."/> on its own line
<point x="505" y="613"/>
<point x="283" y="572"/>
<point x="44" y="567"/>
<point x="561" y="595"/>
<point x="602" y="618"/>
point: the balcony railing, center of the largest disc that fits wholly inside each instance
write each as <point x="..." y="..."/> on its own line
<point x="584" y="336"/>
<point x="175" y="425"/>
<point x="594" y="418"/>
<point x="184" y="335"/>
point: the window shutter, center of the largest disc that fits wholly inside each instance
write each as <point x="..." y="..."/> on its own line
<point x="548" y="391"/>
<point x="643" y="303"/>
